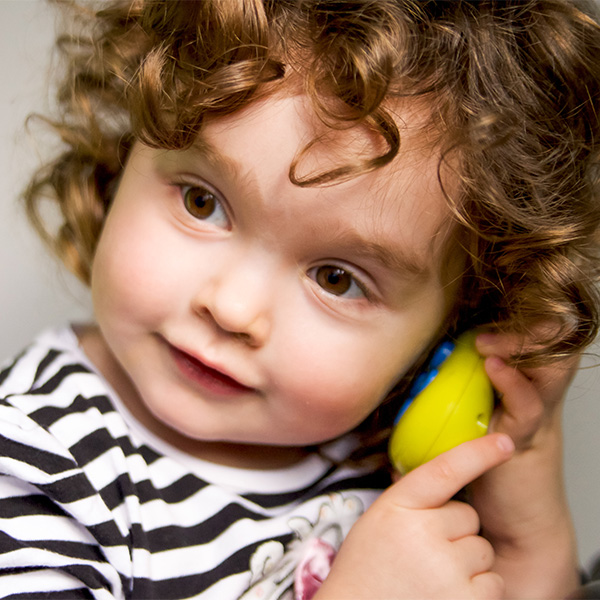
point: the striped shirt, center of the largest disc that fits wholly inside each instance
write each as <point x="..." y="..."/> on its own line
<point x="93" y="505"/>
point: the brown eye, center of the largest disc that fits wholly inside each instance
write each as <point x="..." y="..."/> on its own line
<point x="199" y="202"/>
<point x="204" y="205"/>
<point x="334" y="280"/>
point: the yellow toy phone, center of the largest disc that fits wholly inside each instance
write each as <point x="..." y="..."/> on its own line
<point x="450" y="402"/>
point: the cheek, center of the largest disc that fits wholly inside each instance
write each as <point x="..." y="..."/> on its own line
<point x="337" y="383"/>
<point x="331" y="405"/>
<point x="130" y="277"/>
<point x="339" y="373"/>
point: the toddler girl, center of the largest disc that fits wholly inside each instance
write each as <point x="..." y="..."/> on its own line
<point x="280" y="208"/>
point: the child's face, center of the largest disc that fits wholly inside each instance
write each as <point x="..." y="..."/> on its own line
<point x="247" y="309"/>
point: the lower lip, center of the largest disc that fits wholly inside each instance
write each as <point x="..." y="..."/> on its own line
<point x="207" y="378"/>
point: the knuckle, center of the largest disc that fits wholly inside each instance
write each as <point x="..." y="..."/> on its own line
<point x="469" y="516"/>
<point x="489" y="586"/>
<point x="444" y="471"/>
<point x="486" y="553"/>
<point x="533" y="417"/>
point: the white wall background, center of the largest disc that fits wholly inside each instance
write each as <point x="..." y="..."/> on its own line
<point x="33" y="290"/>
<point x="36" y="293"/>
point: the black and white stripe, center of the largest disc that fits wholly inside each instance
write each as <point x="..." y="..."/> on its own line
<point x="91" y="507"/>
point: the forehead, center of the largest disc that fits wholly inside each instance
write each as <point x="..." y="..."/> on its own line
<point x="288" y="122"/>
<point x="255" y="147"/>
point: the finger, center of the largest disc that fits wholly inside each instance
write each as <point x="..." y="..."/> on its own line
<point x="433" y="484"/>
<point x="488" y="585"/>
<point x="476" y="554"/>
<point x="536" y="338"/>
<point x="459" y="520"/>
<point x="522" y="404"/>
<point x="501" y="344"/>
<point x="554" y="376"/>
<point x="553" y="380"/>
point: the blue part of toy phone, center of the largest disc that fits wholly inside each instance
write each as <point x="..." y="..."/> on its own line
<point x="450" y="402"/>
<point x="425" y="377"/>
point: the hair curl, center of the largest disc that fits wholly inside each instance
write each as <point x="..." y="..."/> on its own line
<point x="512" y="87"/>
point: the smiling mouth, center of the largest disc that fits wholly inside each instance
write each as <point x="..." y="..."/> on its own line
<point x="205" y="376"/>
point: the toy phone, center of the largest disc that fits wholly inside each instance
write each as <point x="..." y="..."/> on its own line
<point x="450" y="402"/>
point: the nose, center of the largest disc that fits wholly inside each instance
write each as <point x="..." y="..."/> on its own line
<point x="237" y="298"/>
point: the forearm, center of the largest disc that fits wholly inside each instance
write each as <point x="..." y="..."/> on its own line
<point x="542" y="568"/>
<point x="522" y="504"/>
<point x="535" y="545"/>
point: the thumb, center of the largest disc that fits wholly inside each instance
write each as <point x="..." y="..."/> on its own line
<point x="433" y="484"/>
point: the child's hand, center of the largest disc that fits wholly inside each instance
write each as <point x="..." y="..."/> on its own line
<point x="522" y="504"/>
<point x="531" y="398"/>
<point x="415" y="542"/>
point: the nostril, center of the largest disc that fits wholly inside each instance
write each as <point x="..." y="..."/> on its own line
<point x="244" y="337"/>
<point x="240" y="316"/>
<point x="202" y="311"/>
<point x="252" y="337"/>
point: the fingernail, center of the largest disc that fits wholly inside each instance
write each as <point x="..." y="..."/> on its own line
<point x="494" y="363"/>
<point x="506" y="444"/>
<point x="487" y="339"/>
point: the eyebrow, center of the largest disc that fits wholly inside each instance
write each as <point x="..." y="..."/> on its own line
<point x="398" y="260"/>
<point x="203" y="149"/>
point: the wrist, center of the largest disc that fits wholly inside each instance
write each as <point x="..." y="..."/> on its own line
<point x="541" y="565"/>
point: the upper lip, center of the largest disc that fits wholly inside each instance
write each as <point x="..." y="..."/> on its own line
<point x="215" y="368"/>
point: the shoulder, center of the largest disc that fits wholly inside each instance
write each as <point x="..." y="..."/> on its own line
<point x="49" y="380"/>
<point x="53" y="357"/>
<point x="51" y="401"/>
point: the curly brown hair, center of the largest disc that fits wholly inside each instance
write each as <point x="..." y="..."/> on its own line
<point x="512" y="87"/>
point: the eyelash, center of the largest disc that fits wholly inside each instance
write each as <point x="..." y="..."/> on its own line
<point x="335" y="271"/>
<point x="207" y="210"/>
